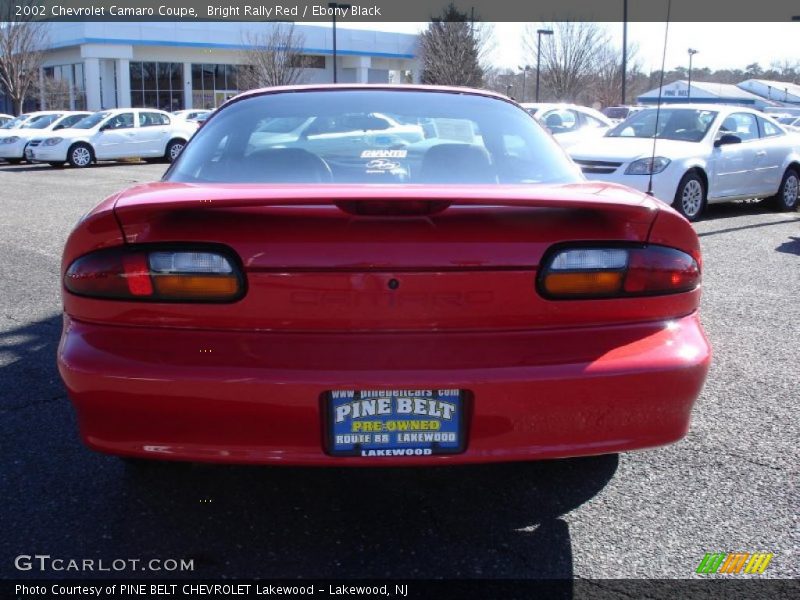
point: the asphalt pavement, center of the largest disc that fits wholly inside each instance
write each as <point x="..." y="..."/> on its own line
<point x="730" y="485"/>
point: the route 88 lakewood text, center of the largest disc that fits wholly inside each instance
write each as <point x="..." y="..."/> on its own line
<point x="278" y="11"/>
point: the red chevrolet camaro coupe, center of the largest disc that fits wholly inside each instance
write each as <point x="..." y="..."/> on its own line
<point x="361" y="275"/>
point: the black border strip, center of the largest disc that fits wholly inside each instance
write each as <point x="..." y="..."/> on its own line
<point x="376" y="11"/>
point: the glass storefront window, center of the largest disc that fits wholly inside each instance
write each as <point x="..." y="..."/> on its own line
<point x="160" y="85"/>
<point x="64" y="87"/>
<point x="212" y="84"/>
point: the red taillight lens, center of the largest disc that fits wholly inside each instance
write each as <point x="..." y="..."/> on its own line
<point x="618" y="272"/>
<point x="158" y="275"/>
<point x="659" y="270"/>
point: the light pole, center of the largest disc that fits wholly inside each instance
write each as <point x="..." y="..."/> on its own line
<point x="692" y="52"/>
<point x="334" y="6"/>
<point x="524" y="70"/>
<point x="539" y="34"/>
<point x="624" y="47"/>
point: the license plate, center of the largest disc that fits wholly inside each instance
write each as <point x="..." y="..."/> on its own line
<point x="376" y="423"/>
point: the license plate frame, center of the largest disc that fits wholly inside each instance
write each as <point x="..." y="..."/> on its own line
<point x="435" y="411"/>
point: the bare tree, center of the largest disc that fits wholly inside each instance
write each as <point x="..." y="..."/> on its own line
<point x="607" y="85"/>
<point x="503" y="81"/>
<point x="273" y="58"/>
<point x="569" y="57"/>
<point x="453" y="48"/>
<point x="55" y="93"/>
<point x="22" y="45"/>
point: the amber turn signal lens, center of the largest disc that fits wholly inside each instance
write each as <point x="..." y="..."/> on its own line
<point x="196" y="287"/>
<point x="597" y="283"/>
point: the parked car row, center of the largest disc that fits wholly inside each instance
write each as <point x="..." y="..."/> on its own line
<point x="22" y="130"/>
<point x="81" y="138"/>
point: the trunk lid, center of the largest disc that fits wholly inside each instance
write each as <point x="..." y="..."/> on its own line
<point x="311" y="265"/>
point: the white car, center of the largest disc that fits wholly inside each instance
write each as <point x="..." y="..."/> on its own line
<point x="190" y="114"/>
<point x="14" y="141"/>
<point x="698" y="154"/>
<point x="112" y="135"/>
<point x="570" y="124"/>
<point x="4" y="118"/>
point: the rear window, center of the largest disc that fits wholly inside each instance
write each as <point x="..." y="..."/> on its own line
<point x="372" y="136"/>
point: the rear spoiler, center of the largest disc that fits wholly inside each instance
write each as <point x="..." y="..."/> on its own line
<point x="608" y="198"/>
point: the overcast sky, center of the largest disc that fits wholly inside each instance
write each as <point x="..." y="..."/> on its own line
<point x="720" y="45"/>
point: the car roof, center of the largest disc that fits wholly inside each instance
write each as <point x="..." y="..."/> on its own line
<point x="330" y="87"/>
<point x="550" y="105"/>
<point x="587" y="109"/>
<point x="713" y="107"/>
<point x="41" y="113"/>
<point x="115" y="111"/>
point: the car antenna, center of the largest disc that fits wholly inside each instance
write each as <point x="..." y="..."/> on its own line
<point x="658" y="106"/>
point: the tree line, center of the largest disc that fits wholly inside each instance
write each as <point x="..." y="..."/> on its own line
<point x="579" y="62"/>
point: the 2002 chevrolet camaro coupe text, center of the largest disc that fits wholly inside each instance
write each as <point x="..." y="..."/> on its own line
<point x="419" y="277"/>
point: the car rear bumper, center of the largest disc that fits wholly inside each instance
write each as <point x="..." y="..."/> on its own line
<point x="256" y="397"/>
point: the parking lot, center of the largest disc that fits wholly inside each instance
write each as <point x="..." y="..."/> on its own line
<point x="731" y="485"/>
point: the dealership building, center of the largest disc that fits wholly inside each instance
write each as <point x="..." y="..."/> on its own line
<point x="755" y="93"/>
<point x="172" y="66"/>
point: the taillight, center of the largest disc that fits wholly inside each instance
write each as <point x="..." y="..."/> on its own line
<point x="157" y="275"/>
<point x="608" y="272"/>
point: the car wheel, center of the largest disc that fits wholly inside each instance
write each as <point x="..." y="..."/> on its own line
<point x="13" y="161"/>
<point x="174" y="149"/>
<point x="80" y="155"/>
<point x="690" y="198"/>
<point x="788" y="193"/>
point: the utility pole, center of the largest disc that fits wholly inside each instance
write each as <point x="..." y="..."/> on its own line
<point x="334" y="6"/>
<point x="624" y="47"/>
<point x="524" y="70"/>
<point x="692" y="52"/>
<point x="539" y="34"/>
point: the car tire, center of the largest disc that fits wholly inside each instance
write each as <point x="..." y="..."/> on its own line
<point x="13" y="161"/>
<point x="690" y="197"/>
<point x="80" y="155"/>
<point x="788" y="193"/>
<point x="174" y="149"/>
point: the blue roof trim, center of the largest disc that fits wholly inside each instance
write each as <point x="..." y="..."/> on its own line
<point x="132" y="42"/>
